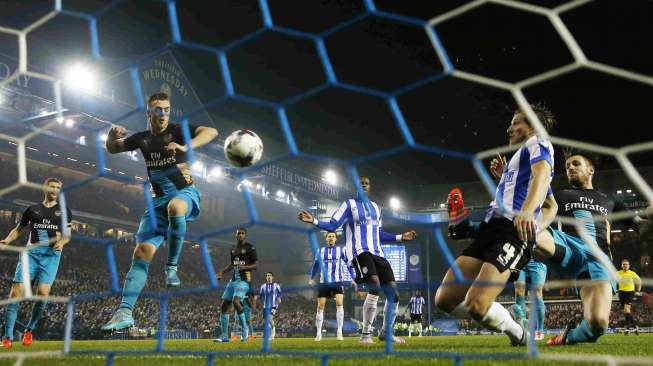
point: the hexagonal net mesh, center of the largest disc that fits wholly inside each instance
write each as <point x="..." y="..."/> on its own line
<point x="56" y="114"/>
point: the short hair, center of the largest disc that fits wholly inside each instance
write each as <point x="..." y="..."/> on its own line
<point x="625" y="260"/>
<point x="269" y="272"/>
<point x="241" y="229"/>
<point x="330" y="232"/>
<point x="157" y="96"/>
<point x="592" y="159"/>
<point x="544" y="114"/>
<point x="52" y="179"/>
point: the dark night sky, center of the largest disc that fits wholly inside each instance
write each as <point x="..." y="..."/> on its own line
<point x="492" y="40"/>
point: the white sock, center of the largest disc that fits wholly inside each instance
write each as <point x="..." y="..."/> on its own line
<point x="369" y="311"/>
<point x="319" y="318"/>
<point x="498" y="319"/>
<point x="410" y="330"/>
<point x="340" y="317"/>
<point x="420" y="329"/>
<point x="386" y="313"/>
<point x="460" y="312"/>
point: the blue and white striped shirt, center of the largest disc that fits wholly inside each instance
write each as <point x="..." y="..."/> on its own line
<point x="362" y="227"/>
<point x="416" y="304"/>
<point x="271" y="294"/>
<point x="513" y="186"/>
<point x="333" y="258"/>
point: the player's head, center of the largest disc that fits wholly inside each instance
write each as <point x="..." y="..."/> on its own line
<point x="158" y="111"/>
<point x="331" y="238"/>
<point x="580" y="168"/>
<point x="418" y="293"/>
<point x="521" y="129"/>
<point x="241" y="235"/>
<point x="365" y="184"/>
<point x="625" y="264"/>
<point x="51" y="188"/>
<point x="269" y="277"/>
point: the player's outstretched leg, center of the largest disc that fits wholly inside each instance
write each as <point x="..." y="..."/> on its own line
<point x="134" y="282"/>
<point x="177" y="209"/>
<point x="597" y="301"/>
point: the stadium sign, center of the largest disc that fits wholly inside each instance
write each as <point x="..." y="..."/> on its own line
<point x="295" y="180"/>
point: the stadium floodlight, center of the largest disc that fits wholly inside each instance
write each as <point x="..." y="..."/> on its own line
<point x="216" y="172"/>
<point x="629" y="191"/>
<point x="395" y="204"/>
<point x="620" y="191"/>
<point x="258" y="185"/>
<point x="281" y="194"/>
<point x="104" y="137"/>
<point x="330" y="177"/>
<point x="60" y="120"/>
<point x="247" y="183"/>
<point x="442" y="205"/>
<point x="197" y="166"/>
<point x="81" y="77"/>
<point x="70" y="122"/>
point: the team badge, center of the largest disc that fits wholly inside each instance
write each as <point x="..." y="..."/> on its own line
<point x="57" y="213"/>
<point x="364" y="270"/>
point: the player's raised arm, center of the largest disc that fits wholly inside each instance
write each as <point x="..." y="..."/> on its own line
<point x="116" y="140"/>
<point x="203" y="135"/>
<point x="334" y="224"/>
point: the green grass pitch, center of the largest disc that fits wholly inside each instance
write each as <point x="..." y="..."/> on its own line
<point x="616" y="345"/>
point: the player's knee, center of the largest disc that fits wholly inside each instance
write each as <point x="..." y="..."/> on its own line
<point x="225" y="306"/>
<point x="16" y="291"/>
<point x="177" y="207"/>
<point x="144" y="252"/>
<point x="598" y="323"/>
<point x="443" y="302"/>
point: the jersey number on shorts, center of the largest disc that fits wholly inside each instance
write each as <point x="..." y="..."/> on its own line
<point x="509" y="252"/>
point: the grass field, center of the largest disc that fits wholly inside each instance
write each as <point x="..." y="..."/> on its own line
<point x="616" y="345"/>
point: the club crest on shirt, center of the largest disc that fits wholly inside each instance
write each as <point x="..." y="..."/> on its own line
<point x="364" y="269"/>
<point x="167" y="138"/>
<point x="57" y="213"/>
<point x="242" y="251"/>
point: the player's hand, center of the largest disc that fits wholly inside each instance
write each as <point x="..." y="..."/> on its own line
<point x="311" y="283"/>
<point x="305" y="217"/>
<point x="525" y="224"/>
<point x="117" y="132"/>
<point x="497" y="165"/>
<point x="219" y="275"/>
<point x="3" y="244"/>
<point x="408" y="235"/>
<point x="58" y="246"/>
<point x="173" y="147"/>
<point x="638" y="293"/>
<point x="354" y="286"/>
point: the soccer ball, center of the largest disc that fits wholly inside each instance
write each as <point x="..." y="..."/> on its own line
<point x="243" y="148"/>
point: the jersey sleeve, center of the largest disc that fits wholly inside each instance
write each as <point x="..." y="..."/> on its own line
<point x="388" y="237"/>
<point x="538" y="150"/>
<point x="337" y="219"/>
<point x="261" y="292"/>
<point x="27" y="217"/>
<point x="316" y="265"/>
<point x="133" y="142"/>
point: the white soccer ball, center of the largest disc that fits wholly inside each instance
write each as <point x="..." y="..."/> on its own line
<point x="243" y="148"/>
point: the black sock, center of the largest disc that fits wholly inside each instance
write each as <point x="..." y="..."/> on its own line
<point x="558" y="254"/>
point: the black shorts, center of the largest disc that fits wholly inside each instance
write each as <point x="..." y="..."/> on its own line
<point x="415" y="318"/>
<point x="626" y="297"/>
<point x="367" y="265"/>
<point x="329" y="290"/>
<point x="498" y="243"/>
